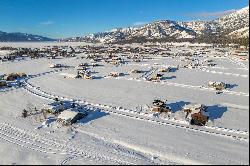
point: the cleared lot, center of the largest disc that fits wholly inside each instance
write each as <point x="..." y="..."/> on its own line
<point x="119" y="134"/>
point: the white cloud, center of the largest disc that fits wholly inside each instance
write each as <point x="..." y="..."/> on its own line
<point x="46" y="23"/>
<point x="212" y="14"/>
<point x="139" y="23"/>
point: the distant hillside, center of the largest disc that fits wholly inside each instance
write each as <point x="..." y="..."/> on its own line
<point x="19" y="37"/>
<point x="228" y="28"/>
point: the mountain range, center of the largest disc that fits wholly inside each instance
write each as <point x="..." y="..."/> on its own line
<point x="231" y="26"/>
<point x="21" y="37"/>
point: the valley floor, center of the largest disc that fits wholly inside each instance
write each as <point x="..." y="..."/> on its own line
<point x="116" y="132"/>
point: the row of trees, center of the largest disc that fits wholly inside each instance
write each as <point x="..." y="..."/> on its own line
<point x="210" y="39"/>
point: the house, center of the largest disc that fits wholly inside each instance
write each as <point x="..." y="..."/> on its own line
<point x="136" y="71"/>
<point x="193" y="108"/>
<point x="156" y="78"/>
<point x="71" y="50"/>
<point x="68" y="117"/>
<point x="56" y="66"/>
<point x="197" y="113"/>
<point x="58" y="106"/>
<point x="208" y="60"/>
<point x="166" y="69"/>
<point x="114" y="74"/>
<point x="81" y="68"/>
<point x="160" y="107"/>
<point x="83" y="65"/>
<point x="84" y="74"/>
<point x="136" y="60"/>
<point x="192" y="65"/>
<point x="14" y="76"/>
<point x="88" y="77"/>
<point x="163" y="70"/>
<point x="217" y="85"/>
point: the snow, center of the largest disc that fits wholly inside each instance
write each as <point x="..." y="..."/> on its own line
<point x="117" y="131"/>
<point x="232" y="24"/>
<point x="243" y="32"/>
<point x="67" y="115"/>
<point x="4" y="52"/>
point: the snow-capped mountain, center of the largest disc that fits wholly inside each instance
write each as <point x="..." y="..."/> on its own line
<point x="235" y="25"/>
<point x="234" y="22"/>
<point x="242" y="32"/>
<point x="155" y="30"/>
<point x="10" y="37"/>
<point x="159" y="29"/>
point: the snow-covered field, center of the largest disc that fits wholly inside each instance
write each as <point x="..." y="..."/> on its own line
<point x="116" y="132"/>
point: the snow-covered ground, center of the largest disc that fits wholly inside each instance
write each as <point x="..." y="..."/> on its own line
<point x="116" y="132"/>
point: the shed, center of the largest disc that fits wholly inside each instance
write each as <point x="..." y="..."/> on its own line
<point x="56" y="66"/>
<point x="58" y="106"/>
<point x="68" y="117"/>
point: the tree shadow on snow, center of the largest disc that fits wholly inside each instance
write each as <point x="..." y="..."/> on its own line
<point x="177" y="106"/>
<point x="99" y="65"/>
<point x="168" y="78"/>
<point x="124" y="74"/>
<point x="231" y="86"/>
<point x="93" y="116"/>
<point x="174" y="69"/>
<point x="98" y="77"/>
<point x="94" y="72"/>
<point x="216" y="112"/>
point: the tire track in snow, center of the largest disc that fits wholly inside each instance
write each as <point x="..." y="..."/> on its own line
<point x="219" y="131"/>
<point x="236" y="61"/>
<point x="201" y="88"/>
<point x="123" y="150"/>
<point x="68" y="159"/>
<point x="22" y="138"/>
<point x="4" y="90"/>
<point x="223" y="73"/>
<point x="45" y="94"/>
<point x="140" y="149"/>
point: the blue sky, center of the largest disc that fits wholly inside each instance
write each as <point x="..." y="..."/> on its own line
<point x="68" y="18"/>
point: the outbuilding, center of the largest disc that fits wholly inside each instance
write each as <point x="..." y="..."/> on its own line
<point x="69" y="117"/>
